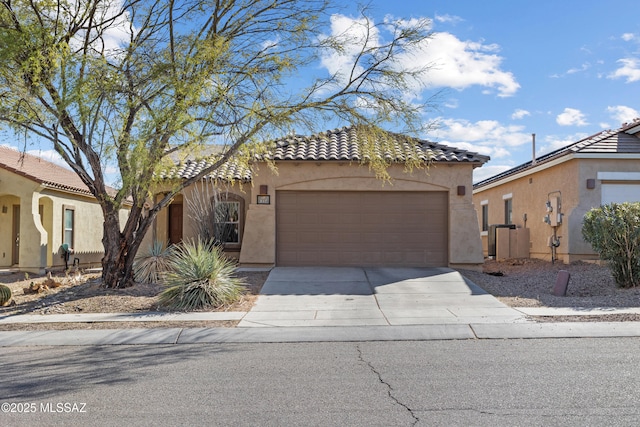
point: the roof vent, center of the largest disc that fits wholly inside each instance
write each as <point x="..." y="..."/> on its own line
<point x="533" y="149"/>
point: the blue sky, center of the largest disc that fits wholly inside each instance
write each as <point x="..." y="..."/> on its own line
<point x="563" y="70"/>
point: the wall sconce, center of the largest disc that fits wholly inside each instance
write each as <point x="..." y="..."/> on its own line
<point x="462" y="190"/>
<point x="4" y="209"/>
<point x="264" y="198"/>
<point x="591" y="184"/>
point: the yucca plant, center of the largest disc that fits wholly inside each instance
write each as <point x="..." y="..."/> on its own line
<point x="200" y="277"/>
<point x="150" y="265"/>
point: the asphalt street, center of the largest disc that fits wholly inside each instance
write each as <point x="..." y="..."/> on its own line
<point x="531" y="382"/>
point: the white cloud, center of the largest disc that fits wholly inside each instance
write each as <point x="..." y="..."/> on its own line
<point x="630" y="70"/>
<point x="452" y="103"/>
<point x="353" y="34"/>
<point x="520" y="114"/>
<point x="623" y="114"/>
<point x="487" y="137"/>
<point x="554" y="142"/>
<point x="452" y="62"/>
<point x="571" y="117"/>
<point x="460" y="64"/>
<point x="628" y="37"/>
<point x="583" y="67"/>
<point x="112" y="29"/>
<point x="488" y="170"/>
<point x="453" y="19"/>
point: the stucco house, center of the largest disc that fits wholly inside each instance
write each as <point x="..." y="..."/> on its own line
<point x="546" y="199"/>
<point x="43" y="207"/>
<point x="320" y="206"/>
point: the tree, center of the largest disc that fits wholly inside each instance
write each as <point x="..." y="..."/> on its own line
<point x="135" y="83"/>
<point x="613" y="231"/>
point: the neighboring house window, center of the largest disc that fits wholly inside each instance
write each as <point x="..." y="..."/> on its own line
<point x="228" y="220"/>
<point x="508" y="210"/>
<point x="485" y="215"/>
<point x="68" y="225"/>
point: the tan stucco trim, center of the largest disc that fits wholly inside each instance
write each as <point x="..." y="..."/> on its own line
<point x="524" y="173"/>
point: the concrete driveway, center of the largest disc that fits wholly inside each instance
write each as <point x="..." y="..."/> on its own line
<point x="328" y="296"/>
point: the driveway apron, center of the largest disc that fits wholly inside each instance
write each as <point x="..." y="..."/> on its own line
<point x="352" y="296"/>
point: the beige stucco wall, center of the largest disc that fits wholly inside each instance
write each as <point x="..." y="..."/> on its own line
<point x="41" y="238"/>
<point x="260" y="232"/>
<point x="160" y="230"/>
<point x="530" y="192"/>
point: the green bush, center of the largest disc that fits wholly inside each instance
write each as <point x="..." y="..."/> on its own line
<point x="200" y="277"/>
<point x="614" y="233"/>
<point x="150" y="265"/>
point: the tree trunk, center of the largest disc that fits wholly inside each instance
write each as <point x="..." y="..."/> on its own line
<point x="115" y="273"/>
<point x="121" y="247"/>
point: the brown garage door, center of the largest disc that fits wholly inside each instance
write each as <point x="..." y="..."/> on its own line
<point x="362" y="228"/>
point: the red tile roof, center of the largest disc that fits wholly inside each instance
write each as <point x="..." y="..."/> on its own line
<point x="41" y="171"/>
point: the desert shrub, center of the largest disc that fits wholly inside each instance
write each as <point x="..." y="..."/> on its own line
<point x="614" y="233"/>
<point x="200" y="276"/>
<point x="150" y="265"/>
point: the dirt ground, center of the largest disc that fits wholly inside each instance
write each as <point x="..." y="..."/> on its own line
<point x="517" y="283"/>
<point x="84" y="293"/>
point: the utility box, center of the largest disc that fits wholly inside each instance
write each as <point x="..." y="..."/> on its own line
<point x="491" y="243"/>
<point x="512" y="243"/>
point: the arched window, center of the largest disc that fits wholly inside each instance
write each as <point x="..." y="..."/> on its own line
<point x="228" y="219"/>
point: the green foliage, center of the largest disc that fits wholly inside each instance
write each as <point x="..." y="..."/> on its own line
<point x="136" y="85"/>
<point x="200" y="277"/>
<point x="149" y="266"/>
<point x="614" y="233"/>
<point x="5" y="295"/>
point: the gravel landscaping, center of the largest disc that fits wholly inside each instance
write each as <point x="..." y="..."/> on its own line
<point x="529" y="282"/>
<point x="517" y="283"/>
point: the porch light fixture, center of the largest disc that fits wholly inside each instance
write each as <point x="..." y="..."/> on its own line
<point x="591" y="184"/>
<point x="4" y="209"/>
<point x="263" y="197"/>
<point x="461" y="190"/>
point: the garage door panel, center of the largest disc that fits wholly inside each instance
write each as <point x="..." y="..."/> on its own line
<point x="362" y="228"/>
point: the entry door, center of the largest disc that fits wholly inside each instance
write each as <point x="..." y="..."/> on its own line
<point x="15" y="235"/>
<point x="175" y="223"/>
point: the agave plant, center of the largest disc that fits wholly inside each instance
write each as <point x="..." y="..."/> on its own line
<point x="150" y="265"/>
<point x="200" y="276"/>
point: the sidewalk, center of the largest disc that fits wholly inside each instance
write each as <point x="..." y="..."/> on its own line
<point x="346" y="304"/>
<point x="174" y="336"/>
<point x="450" y="331"/>
<point x="150" y="317"/>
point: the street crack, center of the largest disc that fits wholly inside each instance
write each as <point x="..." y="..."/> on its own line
<point x="389" y="388"/>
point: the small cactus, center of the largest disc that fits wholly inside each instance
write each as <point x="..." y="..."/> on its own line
<point x="5" y="295"/>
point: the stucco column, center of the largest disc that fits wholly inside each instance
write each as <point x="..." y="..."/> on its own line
<point x="465" y="241"/>
<point x="259" y="238"/>
<point x="33" y="236"/>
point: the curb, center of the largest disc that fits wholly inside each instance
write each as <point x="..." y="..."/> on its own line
<point x="173" y="336"/>
<point x="121" y="317"/>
